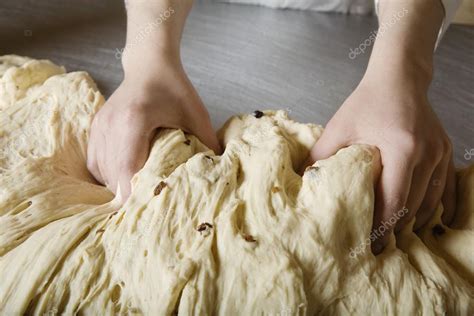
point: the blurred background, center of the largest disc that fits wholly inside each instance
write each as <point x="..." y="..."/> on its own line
<point x="241" y="58"/>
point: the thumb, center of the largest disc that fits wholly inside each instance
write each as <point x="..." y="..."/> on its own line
<point x="208" y="137"/>
<point x="326" y="146"/>
<point x="133" y="158"/>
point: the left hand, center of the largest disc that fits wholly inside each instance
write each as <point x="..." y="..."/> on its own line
<point x="416" y="154"/>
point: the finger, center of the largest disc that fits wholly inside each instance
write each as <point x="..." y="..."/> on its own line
<point x="106" y="160"/>
<point x="391" y="194"/>
<point x="92" y="164"/>
<point x="136" y="148"/>
<point x="433" y="193"/>
<point x="207" y="136"/>
<point x="124" y="185"/>
<point x="93" y="168"/>
<point x="418" y="188"/>
<point x="449" y="195"/>
<point x="326" y="146"/>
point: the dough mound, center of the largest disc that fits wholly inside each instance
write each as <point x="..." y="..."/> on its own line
<point x="240" y="233"/>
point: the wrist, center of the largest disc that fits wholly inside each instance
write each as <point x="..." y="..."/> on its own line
<point x="149" y="60"/>
<point x="400" y="67"/>
<point x="403" y="49"/>
<point x="151" y="76"/>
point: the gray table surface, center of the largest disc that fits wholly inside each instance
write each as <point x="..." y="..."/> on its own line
<point x="243" y="58"/>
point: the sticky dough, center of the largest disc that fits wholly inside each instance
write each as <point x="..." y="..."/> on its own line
<point x="240" y="233"/>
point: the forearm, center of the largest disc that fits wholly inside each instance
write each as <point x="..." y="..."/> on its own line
<point x="408" y="30"/>
<point x="154" y="30"/>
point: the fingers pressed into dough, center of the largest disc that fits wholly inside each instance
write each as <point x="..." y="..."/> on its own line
<point x="391" y="195"/>
<point x="434" y="192"/>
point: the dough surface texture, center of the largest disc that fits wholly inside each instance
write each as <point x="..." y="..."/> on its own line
<point x="236" y="234"/>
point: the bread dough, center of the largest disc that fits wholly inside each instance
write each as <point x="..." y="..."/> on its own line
<point x="240" y="233"/>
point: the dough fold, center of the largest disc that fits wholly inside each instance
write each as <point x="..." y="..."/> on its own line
<point x="241" y="233"/>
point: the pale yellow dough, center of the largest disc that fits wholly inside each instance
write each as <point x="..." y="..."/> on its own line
<point x="279" y="244"/>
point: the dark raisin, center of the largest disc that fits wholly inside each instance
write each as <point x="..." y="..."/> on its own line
<point x="258" y="114"/>
<point x="159" y="187"/>
<point x="29" y="203"/>
<point x="203" y="227"/>
<point x="187" y="142"/>
<point x="438" y="230"/>
<point x="249" y="238"/>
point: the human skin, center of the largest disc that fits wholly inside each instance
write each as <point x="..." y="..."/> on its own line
<point x="154" y="93"/>
<point x="389" y="109"/>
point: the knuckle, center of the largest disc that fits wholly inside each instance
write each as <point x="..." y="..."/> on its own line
<point x="135" y="115"/>
<point x="408" y="144"/>
<point x="130" y="113"/>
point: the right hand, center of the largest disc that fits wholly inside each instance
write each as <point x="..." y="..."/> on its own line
<point x="123" y="129"/>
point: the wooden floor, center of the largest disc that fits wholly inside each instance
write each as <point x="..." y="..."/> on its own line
<point x="243" y="58"/>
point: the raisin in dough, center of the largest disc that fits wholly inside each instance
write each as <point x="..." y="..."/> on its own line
<point x="240" y="233"/>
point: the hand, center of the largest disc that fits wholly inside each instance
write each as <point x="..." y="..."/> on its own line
<point x="123" y="129"/>
<point x="416" y="153"/>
